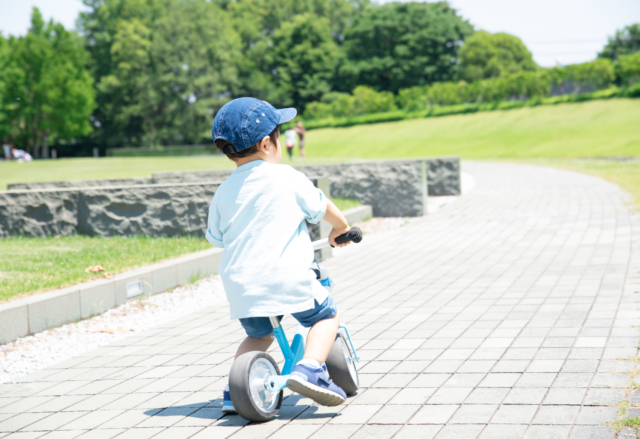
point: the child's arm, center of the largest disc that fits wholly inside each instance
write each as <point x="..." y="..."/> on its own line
<point x="339" y="223"/>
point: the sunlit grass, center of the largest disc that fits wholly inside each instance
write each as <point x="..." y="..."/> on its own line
<point x="30" y="265"/>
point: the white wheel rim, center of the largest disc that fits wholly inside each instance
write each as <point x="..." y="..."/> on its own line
<point x="351" y="365"/>
<point x="259" y="376"/>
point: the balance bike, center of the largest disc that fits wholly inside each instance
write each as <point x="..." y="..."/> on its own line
<point x="255" y="382"/>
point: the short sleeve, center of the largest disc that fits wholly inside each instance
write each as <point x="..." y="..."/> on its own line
<point x="311" y="200"/>
<point x="214" y="235"/>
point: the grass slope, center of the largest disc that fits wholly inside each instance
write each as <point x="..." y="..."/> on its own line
<point x="30" y="265"/>
<point x="590" y="129"/>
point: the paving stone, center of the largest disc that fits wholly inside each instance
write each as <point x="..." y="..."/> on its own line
<point x="94" y="434"/>
<point x="412" y="396"/>
<point x="434" y="414"/>
<point x="580" y="432"/>
<point x="450" y="395"/>
<point x="487" y="396"/>
<point x="573" y="380"/>
<point x="394" y="414"/>
<point x="602" y="396"/>
<point x="500" y="380"/>
<point x="317" y="415"/>
<point x="460" y="432"/>
<point x="376" y="432"/>
<point x="53" y="421"/>
<point x="548" y="432"/>
<point x="514" y="414"/>
<point x="536" y="380"/>
<point x="556" y="415"/>
<point x="503" y="431"/>
<point x="295" y="431"/>
<point x="330" y="431"/>
<point x="418" y="432"/>
<point x="597" y="415"/>
<point x="565" y="396"/>
<point x="473" y="414"/>
<point x="356" y="414"/>
<point x="375" y="396"/>
<point x="526" y="395"/>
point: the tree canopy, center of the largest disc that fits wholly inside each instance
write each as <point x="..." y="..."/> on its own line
<point x="400" y="45"/>
<point x="624" y="42"/>
<point x="46" y="90"/>
<point x="486" y="55"/>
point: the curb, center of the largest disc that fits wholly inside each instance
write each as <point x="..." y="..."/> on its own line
<point x="47" y="310"/>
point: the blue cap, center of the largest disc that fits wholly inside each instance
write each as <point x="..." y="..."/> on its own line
<point x="244" y="122"/>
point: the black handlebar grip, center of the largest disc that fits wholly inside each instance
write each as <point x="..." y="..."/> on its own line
<point x="355" y="235"/>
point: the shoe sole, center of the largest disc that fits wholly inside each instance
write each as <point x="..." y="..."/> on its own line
<point x="227" y="409"/>
<point x="318" y="394"/>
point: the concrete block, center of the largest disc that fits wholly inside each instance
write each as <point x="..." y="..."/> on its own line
<point x="55" y="308"/>
<point x="358" y="214"/>
<point x="14" y="321"/>
<point x="164" y="276"/>
<point x="126" y="284"/>
<point x="97" y="297"/>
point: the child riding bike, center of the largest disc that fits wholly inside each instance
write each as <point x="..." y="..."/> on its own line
<point x="258" y="217"/>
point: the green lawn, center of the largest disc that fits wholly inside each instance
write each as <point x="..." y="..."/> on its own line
<point x="606" y="128"/>
<point x="30" y="265"/>
<point x="118" y="167"/>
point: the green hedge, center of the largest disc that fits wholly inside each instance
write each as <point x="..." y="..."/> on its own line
<point x="579" y="82"/>
<point x="163" y="151"/>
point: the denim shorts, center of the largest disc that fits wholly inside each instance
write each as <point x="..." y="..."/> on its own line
<point x="258" y="327"/>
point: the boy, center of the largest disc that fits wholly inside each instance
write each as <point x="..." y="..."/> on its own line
<point x="258" y="216"/>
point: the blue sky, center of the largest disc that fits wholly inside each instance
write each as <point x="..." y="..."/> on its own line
<point x="556" y="31"/>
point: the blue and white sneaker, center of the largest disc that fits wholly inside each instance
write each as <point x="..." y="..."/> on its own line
<point x="315" y="383"/>
<point x="227" y="405"/>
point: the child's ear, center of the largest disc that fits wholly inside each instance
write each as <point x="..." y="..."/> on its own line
<point x="264" y="144"/>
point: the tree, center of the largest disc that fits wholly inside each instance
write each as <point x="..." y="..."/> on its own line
<point x="302" y="57"/>
<point x="48" y="92"/>
<point x="486" y="55"/>
<point x="400" y="45"/>
<point x="163" y="67"/>
<point x="625" y="41"/>
<point x="258" y="21"/>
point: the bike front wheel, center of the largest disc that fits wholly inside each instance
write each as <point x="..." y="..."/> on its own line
<point x="342" y="367"/>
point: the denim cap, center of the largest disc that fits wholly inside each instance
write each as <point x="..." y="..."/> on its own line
<point x="244" y="122"/>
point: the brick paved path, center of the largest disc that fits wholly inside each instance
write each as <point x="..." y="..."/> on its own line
<point x="501" y="316"/>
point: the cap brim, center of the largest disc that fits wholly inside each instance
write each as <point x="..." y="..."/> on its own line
<point x="286" y="114"/>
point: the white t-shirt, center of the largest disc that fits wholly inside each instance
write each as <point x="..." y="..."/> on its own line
<point x="258" y="216"/>
<point x="291" y="137"/>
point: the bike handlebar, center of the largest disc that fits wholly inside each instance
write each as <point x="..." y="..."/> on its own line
<point x="353" y="235"/>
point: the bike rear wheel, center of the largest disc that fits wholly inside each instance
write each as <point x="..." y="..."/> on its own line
<point x="249" y="386"/>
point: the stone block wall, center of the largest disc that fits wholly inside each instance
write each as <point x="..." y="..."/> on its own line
<point x="153" y="210"/>
<point x="168" y="204"/>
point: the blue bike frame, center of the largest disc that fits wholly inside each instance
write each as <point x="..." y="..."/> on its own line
<point x="294" y="353"/>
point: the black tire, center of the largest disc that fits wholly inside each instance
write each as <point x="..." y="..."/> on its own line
<point x="241" y="392"/>
<point x="338" y="367"/>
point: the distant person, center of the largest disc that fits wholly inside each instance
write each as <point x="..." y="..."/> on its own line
<point x="300" y="129"/>
<point x="7" y="151"/>
<point x="21" y="155"/>
<point x="290" y="140"/>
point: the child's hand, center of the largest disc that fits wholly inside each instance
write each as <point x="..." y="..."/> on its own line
<point x="335" y="233"/>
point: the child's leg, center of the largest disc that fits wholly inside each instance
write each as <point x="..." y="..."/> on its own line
<point x="320" y="339"/>
<point x="261" y="344"/>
